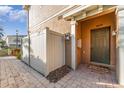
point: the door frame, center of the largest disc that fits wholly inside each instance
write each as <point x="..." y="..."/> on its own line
<point x="102" y="64"/>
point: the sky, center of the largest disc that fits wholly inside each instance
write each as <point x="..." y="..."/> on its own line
<point x="13" y="18"/>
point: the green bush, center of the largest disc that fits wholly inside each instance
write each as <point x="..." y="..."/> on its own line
<point x="3" y="52"/>
<point x="18" y="55"/>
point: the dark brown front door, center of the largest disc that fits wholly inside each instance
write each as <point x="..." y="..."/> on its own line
<point x="100" y="45"/>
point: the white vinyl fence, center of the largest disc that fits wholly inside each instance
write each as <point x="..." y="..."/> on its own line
<point x="47" y="51"/>
<point x="25" y="52"/>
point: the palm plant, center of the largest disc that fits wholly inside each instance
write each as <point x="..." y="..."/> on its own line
<point x="1" y="32"/>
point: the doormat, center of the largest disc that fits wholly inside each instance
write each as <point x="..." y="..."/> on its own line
<point x="57" y="74"/>
<point x="99" y="69"/>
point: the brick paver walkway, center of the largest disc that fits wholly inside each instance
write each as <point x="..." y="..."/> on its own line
<point x="14" y="73"/>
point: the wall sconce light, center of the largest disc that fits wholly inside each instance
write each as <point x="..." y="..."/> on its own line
<point x="114" y="33"/>
<point x="67" y="36"/>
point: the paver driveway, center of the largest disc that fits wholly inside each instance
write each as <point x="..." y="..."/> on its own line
<point x="14" y="73"/>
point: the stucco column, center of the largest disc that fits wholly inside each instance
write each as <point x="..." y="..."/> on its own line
<point x="120" y="46"/>
<point x="73" y="44"/>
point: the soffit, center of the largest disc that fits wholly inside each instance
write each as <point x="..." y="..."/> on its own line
<point x="85" y="11"/>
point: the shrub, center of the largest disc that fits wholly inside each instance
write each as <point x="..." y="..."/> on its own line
<point x="18" y="55"/>
<point x="3" y="52"/>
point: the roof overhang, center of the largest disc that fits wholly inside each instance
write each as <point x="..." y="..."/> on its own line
<point x="75" y="11"/>
<point x="84" y="11"/>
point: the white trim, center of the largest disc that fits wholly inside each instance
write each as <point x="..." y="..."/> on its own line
<point x="81" y="12"/>
<point x="76" y="10"/>
<point x="100" y="8"/>
<point x="65" y="9"/>
<point x="73" y="46"/>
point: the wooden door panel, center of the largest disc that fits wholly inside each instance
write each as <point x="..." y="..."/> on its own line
<point x="100" y="45"/>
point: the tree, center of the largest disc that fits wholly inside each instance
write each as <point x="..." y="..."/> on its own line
<point x="1" y="32"/>
<point x="2" y="43"/>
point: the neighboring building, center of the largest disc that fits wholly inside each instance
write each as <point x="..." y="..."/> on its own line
<point x="11" y="40"/>
<point x="96" y="34"/>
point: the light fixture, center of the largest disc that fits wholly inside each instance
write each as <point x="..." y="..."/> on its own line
<point x="114" y="33"/>
<point x="67" y="36"/>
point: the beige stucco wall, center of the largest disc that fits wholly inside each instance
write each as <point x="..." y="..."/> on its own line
<point x="38" y="14"/>
<point x="86" y="26"/>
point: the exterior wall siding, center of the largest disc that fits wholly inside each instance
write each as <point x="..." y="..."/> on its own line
<point x="55" y="24"/>
<point x="39" y="13"/>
